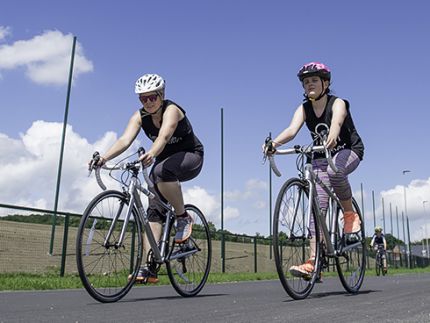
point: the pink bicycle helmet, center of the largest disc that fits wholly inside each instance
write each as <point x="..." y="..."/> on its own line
<point x="314" y="69"/>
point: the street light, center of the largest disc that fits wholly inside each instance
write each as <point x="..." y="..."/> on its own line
<point x="406" y="216"/>
<point x="425" y="230"/>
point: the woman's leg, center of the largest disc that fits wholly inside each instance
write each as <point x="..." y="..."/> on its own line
<point x="173" y="193"/>
<point x="168" y="175"/>
<point x="346" y="162"/>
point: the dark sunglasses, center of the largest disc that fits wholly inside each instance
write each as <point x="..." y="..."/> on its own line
<point x="144" y="99"/>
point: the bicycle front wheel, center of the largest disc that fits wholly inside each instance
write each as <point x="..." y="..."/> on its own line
<point x="378" y="265"/>
<point x="351" y="263"/>
<point x="189" y="262"/>
<point x="294" y="242"/>
<point x="107" y="269"/>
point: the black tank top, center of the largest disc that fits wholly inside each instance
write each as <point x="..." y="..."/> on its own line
<point x="348" y="136"/>
<point x="379" y="240"/>
<point x="183" y="138"/>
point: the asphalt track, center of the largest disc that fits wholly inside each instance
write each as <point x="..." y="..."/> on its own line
<point x="402" y="298"/>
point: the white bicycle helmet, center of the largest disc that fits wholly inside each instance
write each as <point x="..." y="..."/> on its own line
<point x="149" y="83"/>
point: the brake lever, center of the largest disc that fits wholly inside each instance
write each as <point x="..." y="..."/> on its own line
<point x="93" y="163"/>
<point x="270" y="148"/>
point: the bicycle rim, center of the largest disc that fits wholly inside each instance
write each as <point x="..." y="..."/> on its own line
<point x="105" y="269"/>
<point x="188" y="274"/>
<point x="291" y="239"/>
<point x="351" y="265"/>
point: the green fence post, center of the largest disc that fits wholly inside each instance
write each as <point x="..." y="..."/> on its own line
<point x="63" y="137"/>
<point x="255" y="254"/>
<point x="63" y="254"/>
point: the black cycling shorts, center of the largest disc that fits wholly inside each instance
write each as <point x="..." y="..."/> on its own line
<point x="181" y="166"/>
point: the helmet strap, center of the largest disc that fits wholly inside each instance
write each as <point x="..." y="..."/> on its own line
<point x="323" y="92"/>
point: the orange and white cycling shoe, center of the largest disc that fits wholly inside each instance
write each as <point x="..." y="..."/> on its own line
<point x="304" y="270"/>
<point x="352" y="222"/>
<point x="145" y="276"/>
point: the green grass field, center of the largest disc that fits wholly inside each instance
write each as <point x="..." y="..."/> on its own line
<point x="49" y="281"/>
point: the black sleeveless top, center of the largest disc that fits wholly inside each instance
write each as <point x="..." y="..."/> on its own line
<point x="379" y="240"/>
<point x="183" y="139"/>
<point x="348" y="136"/>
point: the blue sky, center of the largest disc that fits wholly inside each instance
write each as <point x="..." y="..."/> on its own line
<point x="241" y="56"/>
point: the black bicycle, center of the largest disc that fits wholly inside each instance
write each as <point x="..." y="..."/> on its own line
<point x="109" y="244"/>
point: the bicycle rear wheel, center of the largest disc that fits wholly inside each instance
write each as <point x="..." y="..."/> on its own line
<point x="292" y="240"/>
<point x="189" y="262"/>
<point x="351" y="263"/>
<point x="104" y="267"/>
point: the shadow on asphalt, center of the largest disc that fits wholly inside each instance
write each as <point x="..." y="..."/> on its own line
<point x="335" y="293"/>
<point x="167" y="298"/>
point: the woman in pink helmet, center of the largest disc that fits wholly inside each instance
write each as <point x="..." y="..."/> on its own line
<point x="343" y="139"/>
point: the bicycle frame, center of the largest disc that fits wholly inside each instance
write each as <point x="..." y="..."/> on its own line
<point x="309" y="176"/>
<point x="329" y="234"/>
<point x="159" y="251"/>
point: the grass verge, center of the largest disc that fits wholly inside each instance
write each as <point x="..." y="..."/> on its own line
<point x="52" y="280"/>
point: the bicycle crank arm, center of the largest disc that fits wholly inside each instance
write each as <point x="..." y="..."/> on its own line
<point x="183" y="254"/>
<point x="351" y="246"/>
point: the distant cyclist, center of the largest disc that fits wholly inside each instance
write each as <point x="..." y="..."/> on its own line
<point x="378" y="241"/>
<point x="176" y="155"/>
<point x="320" y="106"/>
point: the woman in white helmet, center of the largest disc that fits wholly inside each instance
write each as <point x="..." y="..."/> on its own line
<point x="177" y="155"/>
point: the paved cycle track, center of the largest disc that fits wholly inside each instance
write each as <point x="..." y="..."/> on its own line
<point x="400" y="298"/>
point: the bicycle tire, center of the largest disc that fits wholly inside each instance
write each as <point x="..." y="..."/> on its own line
<point x="351" y="265"/>
<point x="108" y="272"/>
<point x="378" y="264"/>
<point x="289" y="250"/>
<point x="189" y="274"/>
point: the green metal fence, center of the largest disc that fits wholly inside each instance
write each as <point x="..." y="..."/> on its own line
<point x="24" y="247"/>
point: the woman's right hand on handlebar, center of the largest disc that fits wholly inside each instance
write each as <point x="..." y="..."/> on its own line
<point x="268" y="147"/>
<point x="96" y="161"/>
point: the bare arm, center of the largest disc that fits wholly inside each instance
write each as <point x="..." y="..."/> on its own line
<point x="289" y="133"/>
<point x="130" y="133"/>
<point x="373" y="241"/>
<point x="339" y="115"/>
<point x="172" y="115"/>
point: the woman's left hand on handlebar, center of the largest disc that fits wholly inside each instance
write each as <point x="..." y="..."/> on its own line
<point x="147" y="159"/>
<point x="331" y="142"/>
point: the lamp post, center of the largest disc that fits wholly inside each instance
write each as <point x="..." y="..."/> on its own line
<point x="406" y="215"/>
<point x="425" y="230"/>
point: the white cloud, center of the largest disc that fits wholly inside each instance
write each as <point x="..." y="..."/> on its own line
<point x="206" y="202"/>
<point x="253" y="188"/>
<point x="255" y="184"/>
<point x="4" y="32"/>
<point x="29" y="166"/>
<point x="260" y="204"/>
<point x="45" y="58"/>
<point x="231" y="213"/>
<point x="417" y="191"/>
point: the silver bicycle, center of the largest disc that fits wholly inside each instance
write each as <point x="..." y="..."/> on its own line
<point x="109" y="244"/>
<point x="300" y="229"/>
